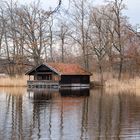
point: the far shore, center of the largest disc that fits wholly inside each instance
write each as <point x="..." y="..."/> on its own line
<point x="111" y="85"/>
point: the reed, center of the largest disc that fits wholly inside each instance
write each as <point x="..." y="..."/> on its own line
<point x="13" y="90"/>
<point x="19" y="81"/>
<point x="129" y="85"/>
<point x="113" y="85"/>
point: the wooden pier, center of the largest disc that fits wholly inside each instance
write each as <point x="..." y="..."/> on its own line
<point x="48" y="84"/>
<point x="42" y="84"/>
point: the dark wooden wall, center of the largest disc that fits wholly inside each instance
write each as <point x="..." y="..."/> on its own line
<point x="75" y="79"/>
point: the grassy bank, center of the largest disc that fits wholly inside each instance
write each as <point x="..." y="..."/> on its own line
<point x="113" y="85"/>
<point x="20" y="81"/>
<point x="129" y="85"/>
<point x="13" y="90"/>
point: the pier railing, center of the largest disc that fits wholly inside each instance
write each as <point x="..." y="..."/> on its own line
<point x="42" y="84"/>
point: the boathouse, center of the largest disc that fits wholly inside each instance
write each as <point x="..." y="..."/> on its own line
<point x="58" y="75"/>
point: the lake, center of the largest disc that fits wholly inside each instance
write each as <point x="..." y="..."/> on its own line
<point x="68" y="115"/>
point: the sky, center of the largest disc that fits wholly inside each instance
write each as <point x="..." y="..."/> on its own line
<point x="132" y="11"/>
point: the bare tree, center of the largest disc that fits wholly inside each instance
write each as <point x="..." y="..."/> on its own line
<point x="24" y="33"/>
<point x="98" y="39"/>
<point x="51" y="40"/>
<point x="80" y="28"/>
<point x="118" y="43"/>
<point x="1" y="30"/>
<point x="35" y="21"/>
<point x="62" y="34"/>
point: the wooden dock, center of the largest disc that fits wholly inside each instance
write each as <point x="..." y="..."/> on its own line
<point x="49" y="84"/>
<point x="43" y="84"/>
<point x="75" y="85"/>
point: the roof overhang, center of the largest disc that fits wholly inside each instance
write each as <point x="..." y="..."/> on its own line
<point x="33" y="69"/>
<point x="54" y="70"/>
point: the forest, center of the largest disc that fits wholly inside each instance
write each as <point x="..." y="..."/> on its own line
<point x="99" y="38"/>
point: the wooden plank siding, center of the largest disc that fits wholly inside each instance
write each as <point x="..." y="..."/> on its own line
<point x="74" y="79"/>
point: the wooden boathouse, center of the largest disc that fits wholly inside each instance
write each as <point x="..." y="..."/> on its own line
<point x="58" y="75"/>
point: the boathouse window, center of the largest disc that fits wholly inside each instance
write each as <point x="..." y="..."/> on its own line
<point x="44" y="77"/>
<point x="49" y="77"/>
<point x="39" y="77"/>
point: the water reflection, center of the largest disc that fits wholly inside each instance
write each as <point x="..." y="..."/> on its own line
<point x="61" y="113"/>
<point x="74" y="93"/>
<point x="68" y="115"/>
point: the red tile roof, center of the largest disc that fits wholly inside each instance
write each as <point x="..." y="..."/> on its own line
<point x="68" y="69"/>
<point x="64" y="69"/>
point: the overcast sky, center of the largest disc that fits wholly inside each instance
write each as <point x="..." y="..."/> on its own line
<point x="133" y="7"/>
<point x="132" y="11"/>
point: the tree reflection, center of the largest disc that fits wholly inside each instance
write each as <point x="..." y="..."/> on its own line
<point x="14" y="114"/>
<point x="69" y="115"/>
<point x="44" y="100"/>
<point x="84" y="120"/>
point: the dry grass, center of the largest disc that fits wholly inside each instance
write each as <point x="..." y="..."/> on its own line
<point x="13" y="90"/>
<point x="131" y="85"/>
<point x="113" y="85"/>
<point x="13" y="82"/>
<point x="96" y="76"/>
<point x="123" y="84"/>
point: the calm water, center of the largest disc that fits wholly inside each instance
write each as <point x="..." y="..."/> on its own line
<point x="68" y="115"/>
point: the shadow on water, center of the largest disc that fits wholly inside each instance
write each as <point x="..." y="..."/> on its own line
<point x="68" y="115"/>
<point x="74" y="93"/>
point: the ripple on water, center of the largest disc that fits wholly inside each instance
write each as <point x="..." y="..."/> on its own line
<point x="44" y="115"/>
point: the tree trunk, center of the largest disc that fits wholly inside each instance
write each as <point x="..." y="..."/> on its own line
<point x="120" y="68"/>
<point x="101" y="74"/>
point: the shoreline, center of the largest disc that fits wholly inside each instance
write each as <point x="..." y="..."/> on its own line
<point x="19" y="81"/>
<point x="110" y="84"/>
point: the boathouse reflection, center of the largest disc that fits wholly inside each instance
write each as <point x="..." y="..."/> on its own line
<point x="69" y="115"/>
<point x="74" y="93"/>
<point x="61" y="111"/>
